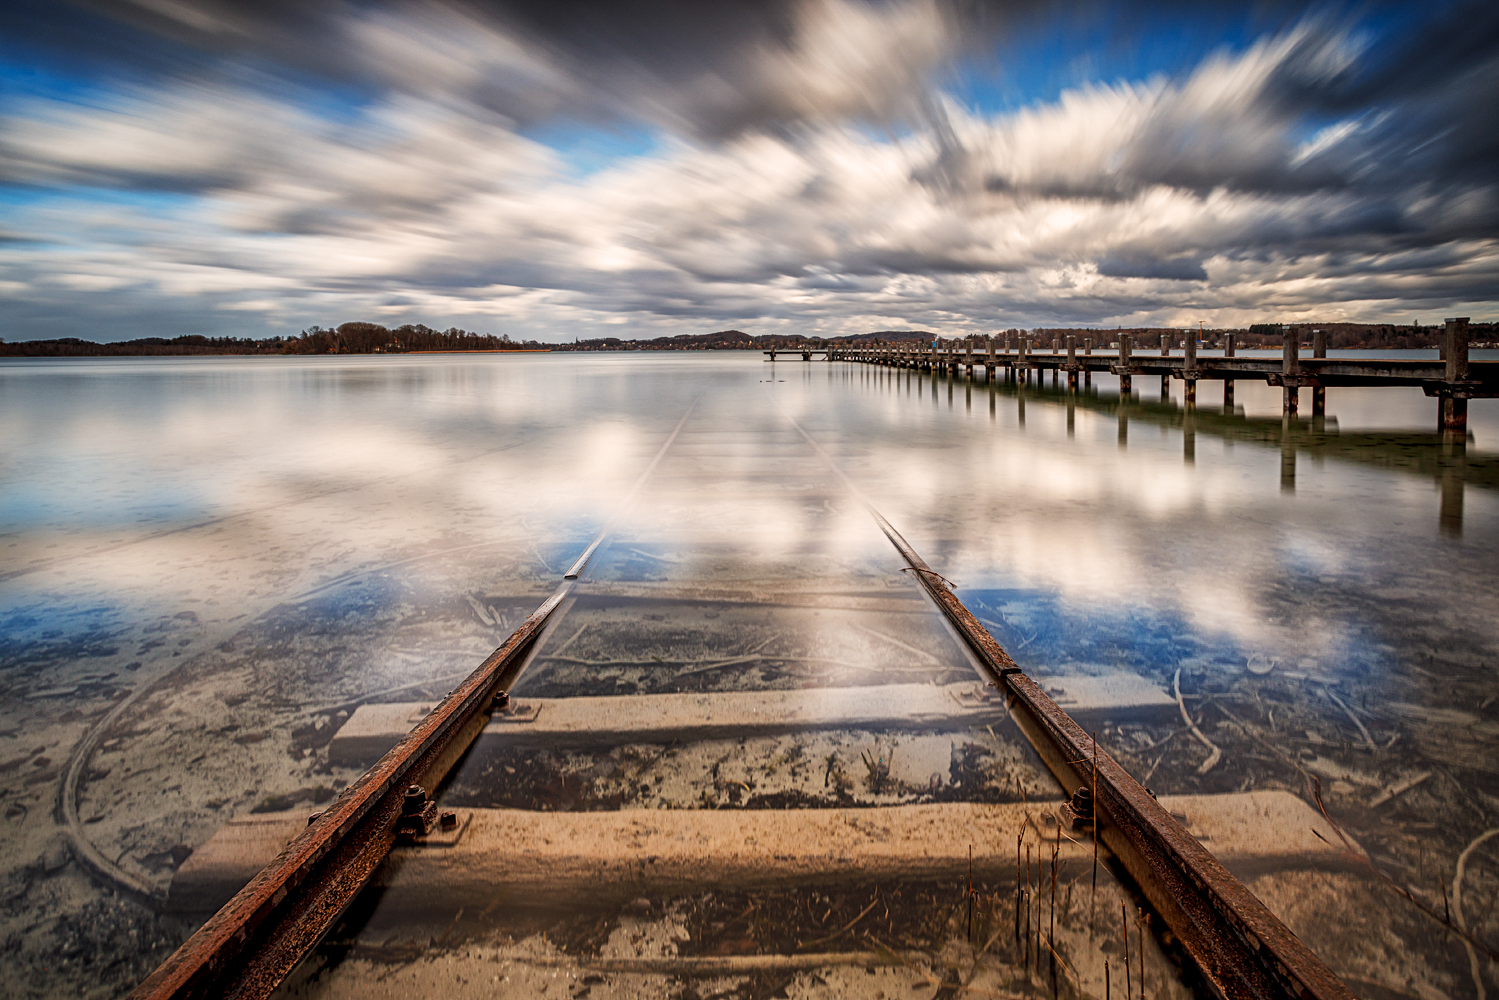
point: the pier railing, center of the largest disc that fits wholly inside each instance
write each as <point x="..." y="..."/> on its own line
<point x="1452" y="379"/>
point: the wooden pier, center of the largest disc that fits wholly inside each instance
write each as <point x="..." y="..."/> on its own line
<point x="1452" y="379"/>
<point x="805" y="353"/>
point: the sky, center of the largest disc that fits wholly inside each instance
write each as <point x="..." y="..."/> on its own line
<point x="640" y="168"/>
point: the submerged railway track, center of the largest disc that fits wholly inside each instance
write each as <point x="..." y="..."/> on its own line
<point x="255" y="940"/>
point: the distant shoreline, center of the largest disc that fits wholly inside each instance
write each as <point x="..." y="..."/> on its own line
<point x="40" y="356"/>
<point x="366" y="339"/>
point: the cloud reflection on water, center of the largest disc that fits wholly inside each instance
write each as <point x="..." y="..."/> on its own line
<point x="309" y="469"/>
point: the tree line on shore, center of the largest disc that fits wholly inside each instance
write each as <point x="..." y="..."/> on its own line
<point x="372" y="338"/>
<point x="347" y="338"/>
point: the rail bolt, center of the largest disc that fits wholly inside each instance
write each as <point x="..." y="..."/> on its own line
<point x="415" y="798"/>
<point x="1082" y="802"/>
<point x="449" y="820"/>
<point x="502" y="701"/>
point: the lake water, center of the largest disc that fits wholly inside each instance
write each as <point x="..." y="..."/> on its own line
<point x="243" y="552"/>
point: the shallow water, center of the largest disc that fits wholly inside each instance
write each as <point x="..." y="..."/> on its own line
<point x="249" y="549"/>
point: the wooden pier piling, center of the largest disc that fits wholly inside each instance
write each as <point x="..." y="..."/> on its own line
<point x="1228" y="383"/>
<point x="1189" y="370"/>
<point x="1319" y="392"/>
<point x="1453" y="412"/>
<point x="1165" y="376"/>
<point x="1291" y="371"/>
<point x="1452" y="381"/>
<point x="1288" y="428"/>
<point x="1123" y="368"/>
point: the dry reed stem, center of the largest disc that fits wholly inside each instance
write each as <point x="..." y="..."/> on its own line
<point x="1349" y="712"/>
<point x="844" y="929"/>
<point x="1457" y="904"/>
<point x="1216" y="755"/>
<point x="1394" y="886"/>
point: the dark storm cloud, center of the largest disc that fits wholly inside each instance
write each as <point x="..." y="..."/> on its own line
<point x="1178" y="269"/>
<point x="713" y="70"/>
<point x="710" y="69"/>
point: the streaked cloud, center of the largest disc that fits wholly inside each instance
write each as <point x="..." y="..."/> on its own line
<point x="809" y="173"/>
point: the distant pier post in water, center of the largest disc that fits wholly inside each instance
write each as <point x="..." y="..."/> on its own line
<point x="1319" y="392"/>
<point x="1290" y="369"/>
<point x="1123" y="367"/>
<point x="1453" y="403"/>
<point x="1454" y="472"/>
<point x="1165" y="376"/>
<point x="1228" y="382"/>
<point x="1288" y="451"/>
<point x="1071" y="371"/>
<point x="1189" y="370"/>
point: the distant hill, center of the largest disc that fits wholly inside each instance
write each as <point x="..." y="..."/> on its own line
<point x="724" y="340"/>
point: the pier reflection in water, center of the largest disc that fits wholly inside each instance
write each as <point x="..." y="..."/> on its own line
<point x="1327" y="640"/>
<point x="1450" y="460"/>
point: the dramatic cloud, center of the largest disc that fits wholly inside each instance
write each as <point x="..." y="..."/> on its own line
<point x="800" y="169"/>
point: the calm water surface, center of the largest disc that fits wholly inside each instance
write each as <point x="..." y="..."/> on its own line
<point x="246" y="552"/>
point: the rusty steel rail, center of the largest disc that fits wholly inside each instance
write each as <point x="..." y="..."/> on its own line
<point x="1241" y="948"/>
<point x="249" y="946"/>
